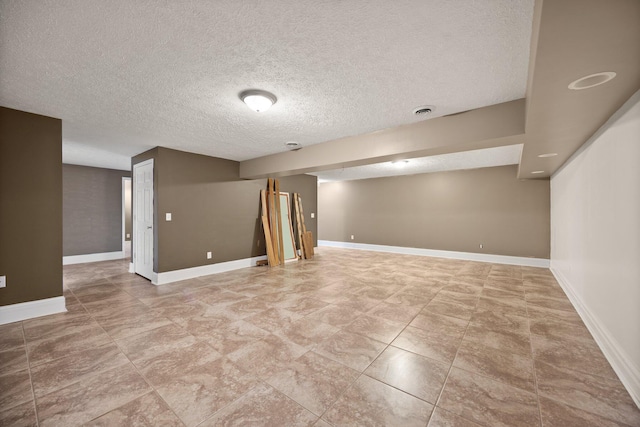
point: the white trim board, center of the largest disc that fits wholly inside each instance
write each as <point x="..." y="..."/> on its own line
<point x="204" y="270"/>
<point x="618" y="359"/>
<point x="28" y="310"/>
<point x="468" y="256"/>
<point x="124" y="208"/>
<point x="81" y="259"/>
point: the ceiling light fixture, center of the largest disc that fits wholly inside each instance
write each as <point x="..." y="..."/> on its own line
<point x="400" y="163"/>
<point x="258" y="100"/>
<point x="547" y="155"/>
<point x="537" y="172"/>
<point x="592" y="80"/>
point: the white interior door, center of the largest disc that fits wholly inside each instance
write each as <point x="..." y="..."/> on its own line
<point x="143" y="219"/>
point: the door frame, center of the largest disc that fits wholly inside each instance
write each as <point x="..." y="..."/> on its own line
<point x="134" y="213"/>
<point x="124" y="213"/>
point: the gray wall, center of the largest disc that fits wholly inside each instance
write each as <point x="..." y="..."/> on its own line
<point x="30" y="206"/>
<point x="92" y="209"/>
<point x="212" y="209"/>
<point x="454" y="211"/>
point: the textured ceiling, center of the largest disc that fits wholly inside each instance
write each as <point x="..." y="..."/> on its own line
<point x="489" y="157"/>
<point x="125" y="76"/>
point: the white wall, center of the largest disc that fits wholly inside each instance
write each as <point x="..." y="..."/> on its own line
<point x="595" y="238"/>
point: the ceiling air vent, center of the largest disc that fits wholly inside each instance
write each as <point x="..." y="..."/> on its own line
<point x="293" y="146"/>
<point x="424" y="110"/>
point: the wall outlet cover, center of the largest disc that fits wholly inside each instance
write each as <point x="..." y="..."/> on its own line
<point x="3" y="281"/>
<point x="168" y="216"/>
<point x="313" y="215"/>
<point x="209" y="255"/>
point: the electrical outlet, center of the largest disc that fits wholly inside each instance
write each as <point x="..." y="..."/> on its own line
<point x="168" y="216"/>
<point x="3" y="281"/>
<point x="209" y="255"/>
<point x="313" y="215"/>
<point x="481" y="245"/>
<point x="128" y="235"/>
<point x="352" y="237"/>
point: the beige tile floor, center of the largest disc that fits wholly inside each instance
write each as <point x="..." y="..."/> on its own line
<point x="350" y="338"/>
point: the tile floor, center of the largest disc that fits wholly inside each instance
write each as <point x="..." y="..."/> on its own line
<point x="350" y="338"/>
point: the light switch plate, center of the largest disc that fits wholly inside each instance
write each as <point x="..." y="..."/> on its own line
<point x="3" y="281"/>
<point x="168" y="216"/>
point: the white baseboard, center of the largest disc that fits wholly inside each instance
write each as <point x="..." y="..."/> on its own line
<point x="205" y="270"/>
<point x="621" y="363"/>
<point x="28" y="310"/>
<point x="81" y="259"/>
<point x="468" y="256"/>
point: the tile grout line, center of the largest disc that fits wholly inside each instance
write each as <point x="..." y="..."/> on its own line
<point x="451" y="366"/>
<point x="376" y="358"/>
<point x="33" y="393"/>
<point x="222" y="356"/>
<point x="533" y="362"/>
<point x="155" y="390"/>
<point x="360" y="373"/>
<point x="238" y="398"/>
<point x="455" y="357"/>
<point x="132" y="364"/>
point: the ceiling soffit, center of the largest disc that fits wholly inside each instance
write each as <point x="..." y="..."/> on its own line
<point x="497" y="125"/>
<point x="577" y="38"/>
<point x="566" y="45"/>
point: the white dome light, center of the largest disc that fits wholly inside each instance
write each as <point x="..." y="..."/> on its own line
<point x="258" y="100"/>
<point x="592" y="80"/>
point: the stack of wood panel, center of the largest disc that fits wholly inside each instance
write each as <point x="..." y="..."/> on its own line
<point x="305" y="237"/>
<point x="278" y="230"/>
<point x="272" y="222"/>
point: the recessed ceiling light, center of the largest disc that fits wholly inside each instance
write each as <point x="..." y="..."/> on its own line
<point x="547" y="155"/>
<point x="258" y="100"/>
<point x="537" y="172"/>
<point x="423" y="110"/>
<point x="592" y="80"/>
<point x="400" y="163"/>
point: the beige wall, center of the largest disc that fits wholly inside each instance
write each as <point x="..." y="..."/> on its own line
<point x="453" y="211"/>
<point x="30" y="206"/>
<point x="211" y="208"/>
<point x="595" y="239"/>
